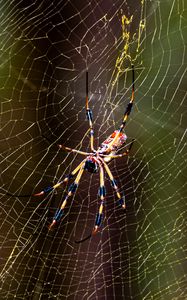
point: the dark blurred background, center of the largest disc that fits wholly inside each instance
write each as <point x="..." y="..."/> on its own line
<point x="46" y="48"/>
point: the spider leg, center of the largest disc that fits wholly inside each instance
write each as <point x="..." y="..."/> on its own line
<point x="51" y="188"/>
<point x="72" y="189"/>
<point x="126" y="113"/>
<point x="129" y="105"/>
<point x="114" y="185"/>
<point x="67" y="149"/>
<point x="102" y="194"/>
<point x="64" y="181"/>
<point x="89" y="115"/>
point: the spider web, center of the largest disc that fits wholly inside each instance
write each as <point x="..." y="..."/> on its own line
<point x="46" y="48"/>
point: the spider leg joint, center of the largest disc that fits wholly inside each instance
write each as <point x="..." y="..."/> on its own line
<point x="89" y="114"/>
<point x="102" y="191"/>
<point x="48" y="189"/>
<point x="45" y="191"/>
<point x="129" y="108"/>
<point x="62" y="147"/>
<point x="73" y="187"/>
<point x="122" y="202"/>
<point x="98" y="219"/>
<point x="57" y="217"/>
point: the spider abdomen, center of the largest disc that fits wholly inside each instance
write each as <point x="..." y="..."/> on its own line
<point x="117" y="144"/>
<point x="112" y="144"/>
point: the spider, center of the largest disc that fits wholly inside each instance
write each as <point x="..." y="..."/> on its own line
<point x="94" y="161"/>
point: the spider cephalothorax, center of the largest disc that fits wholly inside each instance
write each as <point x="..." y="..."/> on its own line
<point x="95" y="161"/>
<point x="91" y="164"/>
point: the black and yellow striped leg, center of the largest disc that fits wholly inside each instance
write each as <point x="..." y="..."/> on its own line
<point x="89" y="115"/>
<point x="121" y="199"/>
<point x="126" y="113"/>
<point x="129" y="105"/>
<point x="102" y="194"/>
<point x="72" y="189"/>
<point x="49" y="189"/>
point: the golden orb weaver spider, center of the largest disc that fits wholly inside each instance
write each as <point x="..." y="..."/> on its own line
<point x="94" y="161"/>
